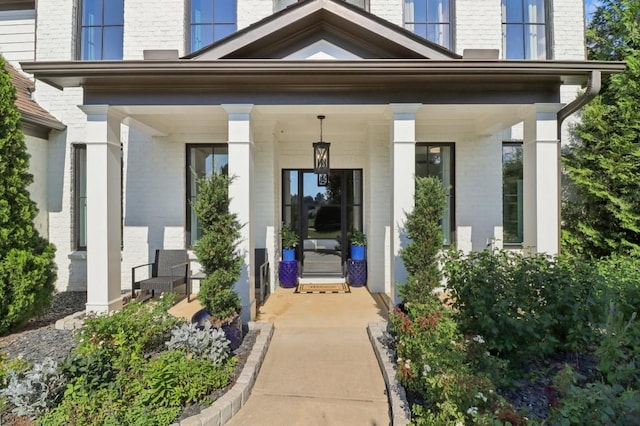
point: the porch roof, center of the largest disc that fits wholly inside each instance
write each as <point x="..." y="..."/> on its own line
<point x="394" y="77"/>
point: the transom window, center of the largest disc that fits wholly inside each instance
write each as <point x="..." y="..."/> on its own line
<point x="101" y="29"/>
<point x="524" y="29"/>
<point x="430" y="19"/>
<point x="437" y="160"/>
<point x="202" y="161"/>
<point x="512" y="193"/>
<point x="212" y="20"/>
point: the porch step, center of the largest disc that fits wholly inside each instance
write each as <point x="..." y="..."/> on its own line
<point x="322" y="280"/>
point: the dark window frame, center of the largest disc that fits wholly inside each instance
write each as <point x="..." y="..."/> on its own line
<point x="190" y="48"/>
<point x="452" y="178"/>
<point x="451" y="23"/>
<point x="521" y="201"/>
<point x="188" y="147"/>
<point x="81" y="27"/>
<point x="548" y="31"/>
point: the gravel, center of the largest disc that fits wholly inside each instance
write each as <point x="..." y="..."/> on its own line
<point x="39" y="338"/>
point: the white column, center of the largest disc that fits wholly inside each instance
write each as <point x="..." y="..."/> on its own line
<point x="103" y="208"/>
<point x="541" y="160"/>
<point x="404" y="169"/>
<point x="240" y="192"/>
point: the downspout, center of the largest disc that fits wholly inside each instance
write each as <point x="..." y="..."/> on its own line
<point x="593" y="88"/>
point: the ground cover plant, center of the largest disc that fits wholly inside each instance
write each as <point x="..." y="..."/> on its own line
<point x="138" y="366"/>
<point x="513" y="322"/>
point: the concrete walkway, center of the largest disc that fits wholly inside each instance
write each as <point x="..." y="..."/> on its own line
<point x="320" y="368"/>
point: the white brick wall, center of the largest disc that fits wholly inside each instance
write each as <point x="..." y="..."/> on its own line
<point x="568" y="30"/>
<point x="391" y="10"/>
<point x="154" y="24"/>
<point x="250" y="11"/>
<point x="478" y="25"/>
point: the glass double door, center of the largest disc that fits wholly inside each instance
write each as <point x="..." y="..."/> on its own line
<point x="322" y="212"/>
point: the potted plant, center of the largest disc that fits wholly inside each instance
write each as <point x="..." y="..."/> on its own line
<point x="218" y="255"/>
<point x="289" y="243"/>
<point x="358" y="244"/>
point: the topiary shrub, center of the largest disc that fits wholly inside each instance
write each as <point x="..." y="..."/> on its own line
<point x="420" y="255"/>
<point x="27" y="267"/>
<point x="217" y="249"/>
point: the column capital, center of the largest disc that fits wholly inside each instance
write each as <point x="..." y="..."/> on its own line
<point x="237" y="109"/>
<point x="101" y="112"/>
<point x="404" y="111"/>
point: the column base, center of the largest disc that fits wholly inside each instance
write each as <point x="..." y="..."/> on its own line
<point x="113" y="305"/>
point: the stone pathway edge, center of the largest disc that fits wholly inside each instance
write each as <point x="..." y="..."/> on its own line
<point x="398" y="405"/>
<point x="221" y="411"/>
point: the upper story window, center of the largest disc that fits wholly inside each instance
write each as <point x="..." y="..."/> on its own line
<point x="101" y="29"/>
<point x="525" y="29"/>
<point x="278" y="5"/>
<point x="211" y="20"/>
<point x="430" y="19"/>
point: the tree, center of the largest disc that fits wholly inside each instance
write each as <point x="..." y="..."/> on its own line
<point x="601" y="205"/>
<point x="217" y="249"/>
<point x="27" y="267"/>
<point x="420" y="255"/>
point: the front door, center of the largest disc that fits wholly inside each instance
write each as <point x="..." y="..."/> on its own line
<point x="322" y="213"/>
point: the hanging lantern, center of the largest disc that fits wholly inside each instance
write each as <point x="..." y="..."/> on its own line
<point x="321" y="154"/>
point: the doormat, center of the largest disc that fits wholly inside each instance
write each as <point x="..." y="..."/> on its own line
<point x="323" y="288"/>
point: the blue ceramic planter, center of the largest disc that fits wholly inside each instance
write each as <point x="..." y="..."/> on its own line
<point x="289" y="254"/>
<point x="357" y="252"/>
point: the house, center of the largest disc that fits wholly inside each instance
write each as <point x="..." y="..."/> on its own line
<point x="151" y="91"/>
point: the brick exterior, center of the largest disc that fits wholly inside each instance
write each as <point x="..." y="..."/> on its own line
<point x="154" y="175"/>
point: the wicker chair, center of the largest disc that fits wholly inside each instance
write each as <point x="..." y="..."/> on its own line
<point x="170" y="270"/>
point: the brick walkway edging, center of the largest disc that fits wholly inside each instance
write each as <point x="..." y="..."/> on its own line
<point x="230" y="403"/>
<point x="398" y="405"/>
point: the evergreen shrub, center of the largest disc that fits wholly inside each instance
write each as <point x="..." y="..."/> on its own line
<point x="27" y="267"/>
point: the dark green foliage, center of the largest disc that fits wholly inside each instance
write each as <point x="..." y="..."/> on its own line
<point x="601" y="207"/>
<point x="217" y="250"/>
<point x="525" y="306"/>
<point x="425" y="241"/>
<point x="27" y="268"/>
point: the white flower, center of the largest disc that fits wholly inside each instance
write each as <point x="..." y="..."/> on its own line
<point x="472" y="411"/>
<point x="459" y="424"/>
<point x="426" y="369"/>
<point x="481" y="396"/>
<point x="478" y="339"/>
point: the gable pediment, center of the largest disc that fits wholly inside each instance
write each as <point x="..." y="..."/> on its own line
<point x="335" y="29"/>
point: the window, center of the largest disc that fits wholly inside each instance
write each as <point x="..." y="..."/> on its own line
<point x="512" y="195"/>
<point x="202" y="161"/>
<point x="430" y="19"/>
<point x="101" y="29"/>
<point x="524" y="29"/>
<point x="80" y="196"/>
<point x="211" y="20"/>
<point x="437" y="159"/>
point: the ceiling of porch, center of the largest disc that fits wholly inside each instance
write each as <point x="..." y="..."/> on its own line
<point x="289" y="121"/>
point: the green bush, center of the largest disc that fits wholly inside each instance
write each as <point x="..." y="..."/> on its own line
<point x="439" y="367"/>
<point x="524" y="305"/>
<point x="420" y="254"/>
<point x="122" y="338"/>
<point x="27" y="266"/>
<point x="614" y="399"/>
